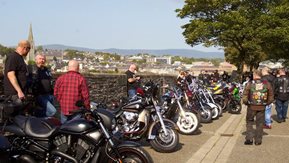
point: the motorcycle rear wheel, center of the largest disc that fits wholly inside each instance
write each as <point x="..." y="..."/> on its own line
<point x="235" y="107"/>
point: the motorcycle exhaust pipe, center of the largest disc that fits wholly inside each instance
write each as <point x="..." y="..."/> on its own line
<point x="27" y="159"/>
<point x="58" y="153"/>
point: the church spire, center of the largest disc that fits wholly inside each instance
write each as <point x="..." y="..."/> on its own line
<point x="31" y="55"/>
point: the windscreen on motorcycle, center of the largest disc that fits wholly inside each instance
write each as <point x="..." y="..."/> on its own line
<point x="151" y="89"/>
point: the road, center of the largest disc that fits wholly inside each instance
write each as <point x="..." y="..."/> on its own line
<point x="200" y="143"/>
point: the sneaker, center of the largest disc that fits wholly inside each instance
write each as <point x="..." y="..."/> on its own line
<point x="248" y="142"/>
<point x="267" y="126"/>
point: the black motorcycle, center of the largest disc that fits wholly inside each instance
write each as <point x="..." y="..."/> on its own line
<point x="84" y="139"/>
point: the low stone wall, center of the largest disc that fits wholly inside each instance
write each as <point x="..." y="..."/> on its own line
<point x="112" y="86"/>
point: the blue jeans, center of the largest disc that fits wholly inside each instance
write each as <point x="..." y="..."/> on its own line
<point x="46" y="102"/>
<point x="281" y="109"/>
<point x="268" y="114"/>
<point x="63" y="118"/>
<point x="131" y="93"/>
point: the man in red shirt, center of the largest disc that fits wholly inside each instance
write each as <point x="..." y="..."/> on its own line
<point x="70" y="88"/>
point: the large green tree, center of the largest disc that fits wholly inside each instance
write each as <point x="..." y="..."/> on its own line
<point x="240" y="26"/>
<point x="276" y="31"/>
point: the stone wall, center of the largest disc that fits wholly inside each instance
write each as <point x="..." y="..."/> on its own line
<point x="112" y="86"/>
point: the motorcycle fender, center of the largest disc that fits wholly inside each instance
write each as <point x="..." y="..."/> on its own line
<point x="153" y="129"/>
<point x="128" y="144"/>
<point x="211" y="105"/>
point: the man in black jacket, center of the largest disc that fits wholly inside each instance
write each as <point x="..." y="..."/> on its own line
<point x="41" y="85"/>
<point x="281" y="86"/>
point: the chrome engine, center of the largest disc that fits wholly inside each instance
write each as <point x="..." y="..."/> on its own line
<point x="130" y="121"/>
<point x="78" y="149"/>
<point x="130" y="117"/>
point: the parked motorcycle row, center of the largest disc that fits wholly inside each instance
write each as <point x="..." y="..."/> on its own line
<point x="111" y="133"/>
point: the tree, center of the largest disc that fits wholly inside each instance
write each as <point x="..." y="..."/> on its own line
<point x="39" y="49"/>
<point x="237" y="25"/>
<point x="5" y="50"/>
<point x="71" y="54"/>
<point x="276" y="35"/>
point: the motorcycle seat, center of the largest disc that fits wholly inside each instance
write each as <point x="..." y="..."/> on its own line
<point x="35" y="127"/>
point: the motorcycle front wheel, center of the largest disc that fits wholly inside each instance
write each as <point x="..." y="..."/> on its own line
<point x="215" y="112"/>
<point x="206" y="115"/>
<point x="220" y="109"/>
<point x="165" y="143"/>
<point x="131" y="154"/>
<point x="188" y="124"/>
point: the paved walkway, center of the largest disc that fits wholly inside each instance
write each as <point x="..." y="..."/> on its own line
<point x="227" y="144"/>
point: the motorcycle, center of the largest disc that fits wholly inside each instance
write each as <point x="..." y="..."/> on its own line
<point x="140" y="117"/>
<point x="187" y="121"/>
<point x="82" y="139"/>
<point x="234" y="104"/>
<point x="229" y="98"/>
<point x="194" y="103"/>
<point x="206" y="101"/>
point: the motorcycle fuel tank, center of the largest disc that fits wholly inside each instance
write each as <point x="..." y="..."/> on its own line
<point x="77" y="125"/>
<point x="132" y="106"/>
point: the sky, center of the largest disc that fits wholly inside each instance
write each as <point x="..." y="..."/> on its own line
<point x="96" y="24"/>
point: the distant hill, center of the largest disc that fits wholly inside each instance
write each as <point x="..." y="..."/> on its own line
<point x="174" y="52"/>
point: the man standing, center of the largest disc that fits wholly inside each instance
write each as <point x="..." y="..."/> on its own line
<point x="270" y="78"/>
<point x="257" y="95"/>
<point x="132" y="80"/>
<point x="281" y="86"/>
<point x="15" y="72"/>
<point x="40" y="78"/>
<point x="70" y="88"/>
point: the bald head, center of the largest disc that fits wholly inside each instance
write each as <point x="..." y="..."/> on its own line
<point x="73" y="65"/>
<point x="23" y="43"/>
<point x="23" y="47"/>
<point x="132" y="68"/>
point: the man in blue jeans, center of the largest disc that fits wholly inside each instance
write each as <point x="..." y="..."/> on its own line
<point x="270" y="78"/>
<point x="41" y="85"/>
<point x="281" y="86"/>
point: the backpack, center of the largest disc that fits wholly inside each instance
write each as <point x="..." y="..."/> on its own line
<point x="283" y="86"/>
<point x="258" y="93"/>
